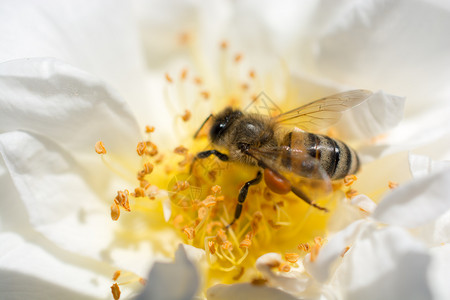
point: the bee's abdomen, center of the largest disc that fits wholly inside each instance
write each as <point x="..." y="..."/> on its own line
<point x="335" y="157"/>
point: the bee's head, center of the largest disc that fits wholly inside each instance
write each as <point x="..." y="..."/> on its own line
<point x="222" y="121"/>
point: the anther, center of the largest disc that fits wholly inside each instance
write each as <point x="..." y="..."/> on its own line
<point x="100" y="148"/>
<point x="140" y="148"/>
<point x="115" y="291"/>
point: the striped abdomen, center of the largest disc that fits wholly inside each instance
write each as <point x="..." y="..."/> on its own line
<point x="335" y="157"/>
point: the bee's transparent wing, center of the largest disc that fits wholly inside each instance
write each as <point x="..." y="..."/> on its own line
<point x="324" y="112"/>
<point x="304" y="172"/>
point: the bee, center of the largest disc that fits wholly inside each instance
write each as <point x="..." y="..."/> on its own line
<point x="288" y="155"/>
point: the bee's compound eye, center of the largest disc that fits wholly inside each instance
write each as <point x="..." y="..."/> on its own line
<point x="276" y="183"/>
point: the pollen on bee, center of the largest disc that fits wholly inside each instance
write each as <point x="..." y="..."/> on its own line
<point x="115" y="211"/>
<point x="116" y="275"/>
<point x="140" y="148"/>
<point x="186" y="116"/>
<point x="190" y="232"/>
<point x="168" y="78"/>
<point x="291" y="257"/>
<point x="349" y="180"/>
<point x="100" y="148"/>
<point x="115" y="291"/>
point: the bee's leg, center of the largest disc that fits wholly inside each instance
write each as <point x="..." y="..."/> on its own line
<point x="207" y="153"/>
<point x="243" y="194"/>
<point x="305" y="198"/>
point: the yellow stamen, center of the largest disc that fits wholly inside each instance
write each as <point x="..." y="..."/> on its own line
<point x="140" y="148"/>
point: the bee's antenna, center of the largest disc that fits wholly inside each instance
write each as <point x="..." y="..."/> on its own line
<point x="203" y="124"/>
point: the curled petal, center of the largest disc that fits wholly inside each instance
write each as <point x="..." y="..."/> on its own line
<point x="417" y="202"/>
<point x="172" y="281"/>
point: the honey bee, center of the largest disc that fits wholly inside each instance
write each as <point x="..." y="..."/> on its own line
<point x="289" y="157"/>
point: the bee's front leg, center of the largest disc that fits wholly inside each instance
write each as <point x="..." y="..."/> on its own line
<point x="208" y="153"/>
<point x="243" y="195"/>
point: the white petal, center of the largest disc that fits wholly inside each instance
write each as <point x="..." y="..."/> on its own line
<point x="373" y="117"/>
<point x="67" y="105"/>
<point x="99" y="37"/>
<point x="172" y="281"/>
<point x="384" y="263"/>
<point x="58" y="202"/>
<point x="387" y="44"/>
<point x="417" y="202"/>
<point x="244" y="291"/>
<point x="329" y="256"/>
<point x="44" y="272"/>
<point x="439" y="272"/>
<point x="421" y="165"/>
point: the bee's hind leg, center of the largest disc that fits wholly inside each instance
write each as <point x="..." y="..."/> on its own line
<point x="243" y="195"/>
<point x="305" y="198"/>
<point x="208" y="153"/>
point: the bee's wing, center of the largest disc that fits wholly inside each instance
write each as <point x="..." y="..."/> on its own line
<point x="324" y="112"/>
<point x="302" y="170"/>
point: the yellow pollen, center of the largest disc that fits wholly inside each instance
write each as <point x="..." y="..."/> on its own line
<point x="187" y="115"/>
<point x="115" y="212"/>
<point x="224" y="45"/>
<point x="351" y="193"/>
<point x="100" y="148"/>
<point x="198" y="80"/>
<point x="212" y="247"/>
<point x="284" y="267"/>
<point x="140" y="148"/>
<point x="122" y="199"/>
<point x="305" y="247"/>
<point x="210" y="201"/>
<point x="349" y="180"/>
<point x="180" y="150"/>
<point x="139" y="192"/>
<point x="190" y="233"/>
<point x="115" y="291"/>
<point x="168" y="78"/>
<point x="152" y="149"/>
<point x="205" y="94"/>
<point x="345" y="251"/>
<point x="184" y="74"/>
<point x="392" y="185"/>
<point x="149" y="129"/>
<point x="291" y="257"/>
<point x="252" y="74"/>
<point x="237" y="57"/>
<point x="116" y="275"/>
<point x="246" y="243"/>
<point x="216" y="189"/>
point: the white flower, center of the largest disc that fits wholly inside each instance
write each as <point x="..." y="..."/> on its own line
<point x="72" y="74"/>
